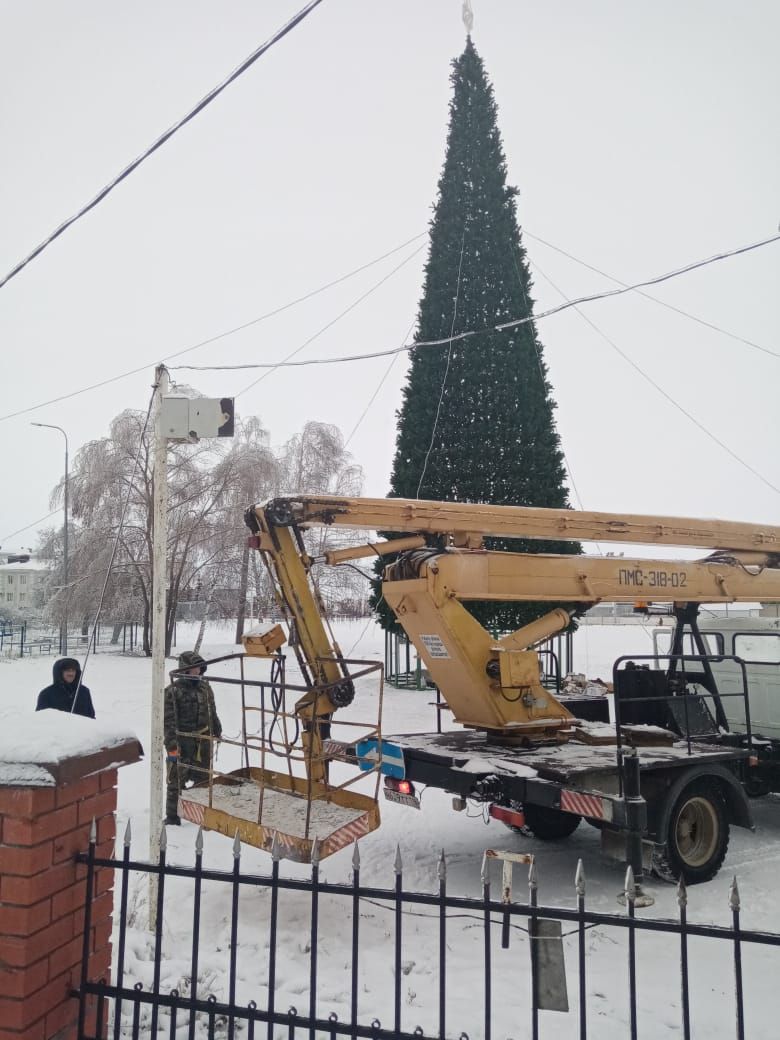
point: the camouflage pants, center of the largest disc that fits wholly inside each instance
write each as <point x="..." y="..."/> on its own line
<point x="192" y="769"/>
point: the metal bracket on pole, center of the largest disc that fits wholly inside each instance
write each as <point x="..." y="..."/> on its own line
<point x="547" y="959"/>
<point x="508" y="860"/>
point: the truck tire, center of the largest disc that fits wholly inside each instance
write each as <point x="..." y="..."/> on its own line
<point x="549" y="824"/>
<point x="697" y="838"/>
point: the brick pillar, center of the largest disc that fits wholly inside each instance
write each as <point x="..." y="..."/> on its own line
<point x="43" y="890"/>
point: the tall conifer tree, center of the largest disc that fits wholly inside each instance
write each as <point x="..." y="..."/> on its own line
<point x="476" y="422"/>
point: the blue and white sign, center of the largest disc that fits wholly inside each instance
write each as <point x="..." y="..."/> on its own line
<point x="390" y="757"/>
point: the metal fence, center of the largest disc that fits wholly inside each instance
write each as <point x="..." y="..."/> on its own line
<point x="123" y="1007"/>
<point x="28" y="639"/>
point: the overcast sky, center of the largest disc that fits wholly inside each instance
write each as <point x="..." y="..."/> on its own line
<point x="642" y="136"/>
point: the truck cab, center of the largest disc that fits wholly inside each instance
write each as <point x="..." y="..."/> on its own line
<point x="754" y="641"/>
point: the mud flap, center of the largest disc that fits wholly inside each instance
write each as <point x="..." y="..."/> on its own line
<point x="614" y="846"/>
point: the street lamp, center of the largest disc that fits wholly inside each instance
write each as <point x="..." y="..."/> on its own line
<point x="64" y="623"/>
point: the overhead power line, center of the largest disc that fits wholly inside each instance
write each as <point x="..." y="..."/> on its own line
<point x="539" y="364"/>
<point x="163" y="138"/>
<point x="379" y="386"/>
<point x="327" y="325"/>
<point x="446" y="367"/>
<point x="502" y="327"/>
<point x="219" y="335"/>
<point x="27" y="528"/>
<point x="667" y="396"/>
<point x="655" y="299"/>
<point x="653" y="281"/>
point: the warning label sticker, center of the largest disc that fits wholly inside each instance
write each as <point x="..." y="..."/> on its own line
<point x="434" y="646"/>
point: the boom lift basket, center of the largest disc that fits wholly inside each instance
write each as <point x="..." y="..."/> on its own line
<point x="261" y="804"/>
<point x="273" y="800"/>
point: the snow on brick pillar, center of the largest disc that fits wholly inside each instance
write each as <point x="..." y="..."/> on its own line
<point x="46" y="810"/>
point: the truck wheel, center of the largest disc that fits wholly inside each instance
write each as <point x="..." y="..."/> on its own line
<point x="697" y="838"/>
<point x="549" y="824"/>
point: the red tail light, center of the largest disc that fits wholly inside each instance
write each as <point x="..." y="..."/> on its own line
<point x="514" y="817"/>
<point x="401" y="786"/>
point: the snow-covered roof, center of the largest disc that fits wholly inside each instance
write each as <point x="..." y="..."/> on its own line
<point x="42" y="748"/>
<point x="26" y="566"/>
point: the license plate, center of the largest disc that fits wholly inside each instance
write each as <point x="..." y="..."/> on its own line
<point x="402" y="799"/>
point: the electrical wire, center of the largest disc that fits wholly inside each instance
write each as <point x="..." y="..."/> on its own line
<point x="447" y="366"/>
<point x="371" y="619"/>
<point x="503" y="327"/>
<point x="660" y="389"/>
<point x="163" y="138"/>
<point x="219" y="335"/>
<point x="695" y="265"/>
<point x="324" y="328"/>
<point x="468" y="917"/>
<point x="277" y="688"/>
<point x="115" y="546"/>
<point x="33" y="524"/>
<point x="354" y="567"/>
<point x="379" y="387"/>
<point x="537" y="352"/>
<point x="358" y="357"/>
<point x="655" y="299"/>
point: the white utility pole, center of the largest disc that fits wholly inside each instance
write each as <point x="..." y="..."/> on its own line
<point x="159" y="585"/>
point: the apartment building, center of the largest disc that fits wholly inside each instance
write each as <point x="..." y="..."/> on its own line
<point x="20" y="579"/>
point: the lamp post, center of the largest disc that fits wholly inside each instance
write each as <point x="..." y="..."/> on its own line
<point x="64" y="623"/>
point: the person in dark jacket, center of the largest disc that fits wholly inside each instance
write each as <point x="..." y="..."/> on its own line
<point x="190" y="721"/>
<point x="62" y="693"/>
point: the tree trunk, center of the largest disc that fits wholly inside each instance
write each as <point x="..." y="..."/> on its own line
<point x="147" y="638"/>
<point x="204" y="619"/>
<point x="171" y="602"/>
<point x="256" y="577"/>
<point x="242" y="590"/>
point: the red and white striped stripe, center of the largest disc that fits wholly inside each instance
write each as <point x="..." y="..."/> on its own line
<point x="586" y="805"/>
<point x="334" y="748"/>
<point x="287" y="841"/>
<point x="192" y="811"/>
<point x="346" y="835"/>
<point x="293" y="847"/>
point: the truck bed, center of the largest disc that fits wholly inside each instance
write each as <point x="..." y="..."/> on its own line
<point x="455" y="760"/>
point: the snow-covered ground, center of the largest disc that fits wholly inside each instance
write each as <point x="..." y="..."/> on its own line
<point x="120" y="689"/>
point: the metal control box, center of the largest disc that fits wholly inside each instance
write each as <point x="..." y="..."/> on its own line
<point x="190" y="419"/>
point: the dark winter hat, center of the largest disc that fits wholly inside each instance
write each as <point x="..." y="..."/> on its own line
<point x="63" y="665"/>
<point x="191" y="659"/>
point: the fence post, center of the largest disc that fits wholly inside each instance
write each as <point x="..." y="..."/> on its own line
<point x="579" y="886"/>
<point x="353" y="1001"/>
<point x="442" y="872"/>
<point x="533" y="898"/>
<point x="399" y="888"/>
<point x="44" y="825"/>
<point x="734" y="903"/>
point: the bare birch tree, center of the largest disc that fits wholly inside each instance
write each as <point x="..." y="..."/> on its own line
<point x="315" y="461"/>
<point x="211" y="484"/>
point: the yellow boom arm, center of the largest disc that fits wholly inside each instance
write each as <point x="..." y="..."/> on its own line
<point x="494" y="684"/>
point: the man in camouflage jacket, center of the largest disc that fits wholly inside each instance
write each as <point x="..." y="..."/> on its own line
<point x="190" y="715"/>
